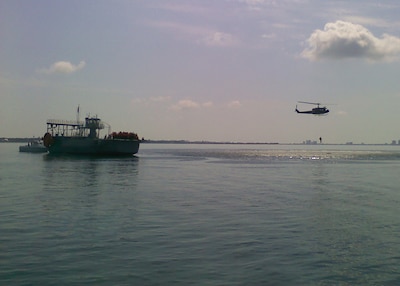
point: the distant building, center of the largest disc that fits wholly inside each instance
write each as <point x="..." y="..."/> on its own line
<point x="310" y="142"/>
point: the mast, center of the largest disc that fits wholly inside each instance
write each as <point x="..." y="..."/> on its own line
<point x="77" y="115"/>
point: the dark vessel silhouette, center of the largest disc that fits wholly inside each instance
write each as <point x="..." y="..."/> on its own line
<point x="69" y="137"/>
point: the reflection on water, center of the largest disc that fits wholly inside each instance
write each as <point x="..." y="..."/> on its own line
<point x="85" y="179"/>
<point x="264" y="153"/>
<point x="221" y="215"/>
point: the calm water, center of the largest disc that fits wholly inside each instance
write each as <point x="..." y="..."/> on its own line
<point x="202" y="215"/>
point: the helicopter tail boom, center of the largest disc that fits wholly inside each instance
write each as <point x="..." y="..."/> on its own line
<point x="316" y="110"/>
<point x="304" y="112"/>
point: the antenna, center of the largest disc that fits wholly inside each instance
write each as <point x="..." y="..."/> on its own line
<point x="77" y="115"/>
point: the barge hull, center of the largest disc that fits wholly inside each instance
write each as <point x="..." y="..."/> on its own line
<point x="90" y="146"/>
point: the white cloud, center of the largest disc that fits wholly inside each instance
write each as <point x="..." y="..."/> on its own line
<point x="268" y="36"/>
<point x="254" y="5"/>
<point x="234" y="104"/>
<point x="63" y="67"/>
<point x="219" y="39"/>
<point x="342" y="40"/>
<point x="181" y="8"/>
<point x="136" y="101"/>
<point x="185" y="104"/>
<point x="190" y="104"/>
<point x="253" y="2"/>
<point x="199" y="34"/>
<point x="151" y="100"/>
<point x="368" y="21"/>
<point x="160" y="98"/>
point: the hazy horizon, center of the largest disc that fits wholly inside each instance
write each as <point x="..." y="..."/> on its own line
<point x="222" y="70"/>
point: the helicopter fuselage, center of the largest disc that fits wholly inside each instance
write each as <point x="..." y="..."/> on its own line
<point x="316" y="111"/>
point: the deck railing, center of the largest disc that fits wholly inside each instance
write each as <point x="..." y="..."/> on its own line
<point x="65" y="122"/>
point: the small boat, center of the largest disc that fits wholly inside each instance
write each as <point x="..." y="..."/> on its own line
<point x="33" y="147"/>
<point x="83" y="138"/>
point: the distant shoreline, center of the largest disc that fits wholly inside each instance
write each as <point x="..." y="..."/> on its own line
<point x="25" y="140"/>
<point x="18" y="140"/>
<point x="206" y="142"/>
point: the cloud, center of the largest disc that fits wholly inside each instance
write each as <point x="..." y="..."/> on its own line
<point x="254" y="5"/>
<point x="160" y="98"/>
<point x="185" y="104"/>
<point x="253" y="2"/>
<point x="234" y="104"/>
<point x="199" y="34"/>
<point x="218" y="39"/>
<point x="190" y="104"/>
<point x="376" y="22"/>
<point x="268" y="36"/>
<point x="182" y="8"/>
<point x="208" y="104"/>
<point x="342" y="40"/>
<point x="151" y="100"/>
<point x="63" y="67"/>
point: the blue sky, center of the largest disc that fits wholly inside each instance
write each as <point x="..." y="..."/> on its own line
<point x="221" y="70"/>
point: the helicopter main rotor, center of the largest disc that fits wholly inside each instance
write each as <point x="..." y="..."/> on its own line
<point x="312" y="103"/>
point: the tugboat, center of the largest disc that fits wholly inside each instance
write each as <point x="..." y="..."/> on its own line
<point x="33" y="147"/>
<point x="76" y="137"/>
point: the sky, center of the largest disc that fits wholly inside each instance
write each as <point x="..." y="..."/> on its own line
<point x="203" y="70"/>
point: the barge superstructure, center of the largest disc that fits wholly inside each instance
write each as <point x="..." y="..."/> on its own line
<point x="83" y="137"/>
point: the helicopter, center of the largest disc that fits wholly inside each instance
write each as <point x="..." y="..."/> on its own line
<point x="316" y="110"/>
